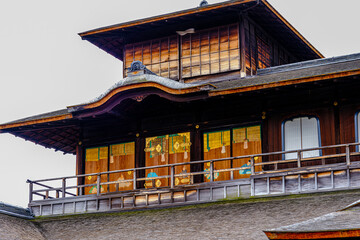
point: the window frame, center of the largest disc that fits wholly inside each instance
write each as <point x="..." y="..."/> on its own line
<point x="357" y="128"/>
<point x="291" y="119"/>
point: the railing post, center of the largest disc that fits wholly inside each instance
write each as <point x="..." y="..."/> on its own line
<point x="63" y="187"/>
<point x="172" y="174"/>
<point x="298" y="158"/>
<point x="348" y="155"/>
<point x="134" y="180"/>
<point x="252" y="180"/>
<point x="211" y="171"/>
<point x="98" y="192"/>
<point x="31" y="187"/>
<point x="252" y="165"/>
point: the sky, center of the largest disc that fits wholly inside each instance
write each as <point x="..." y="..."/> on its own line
<point x="45" y="66"/>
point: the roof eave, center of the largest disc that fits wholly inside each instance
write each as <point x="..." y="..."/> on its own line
<point x="293" y="29"/>
<point x="163" y="17"/>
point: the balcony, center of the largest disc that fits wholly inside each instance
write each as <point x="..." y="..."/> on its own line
<point x="267" y="174"/>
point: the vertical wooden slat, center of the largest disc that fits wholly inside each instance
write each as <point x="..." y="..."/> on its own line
<point x="211" y="171"/>
<point x="242" y="46"/>
<point x="252" y="181"/>
<point x="200" y="62"/>
<point x="172" y="180"/>
<point x="229" y="59"/>
<point x="348" y="162"/>
<point x="63" y="187"/>
<point x="31" y="188"/>
<point x="299" y="159"/>
<point x="98" y="185"/>
<point x="252" y="167"/>
<point x="268" y="185"/>
<point x="209" y="39"/>
<point x="299" y="182"/>
<point x="219" y="42"/>
<point x="180" y="68"/>
<point x="332" y="179"/>
<point x="134" y="179"/>
<point x="172" y="196"/>
<point x="316" y="181"/>
<point x="283" y="184"/>
<point x="190" y="55"/>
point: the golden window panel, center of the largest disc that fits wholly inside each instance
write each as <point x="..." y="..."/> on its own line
<point x="160" y="56"/>
<point x="157" y="145"/>
<point x="213" y="140"/>
<point x="179" y="143"/>
<point x="251" y="134"/>
<point x="94" y="154"/>
<point x="210" y="51"/>
<point x="122" y="149"/>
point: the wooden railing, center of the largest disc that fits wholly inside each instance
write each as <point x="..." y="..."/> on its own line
<point x="53" y="188"/>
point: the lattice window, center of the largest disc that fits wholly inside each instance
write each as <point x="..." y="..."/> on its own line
<point x="161" y="56"/>
<point x="210" y="51"/>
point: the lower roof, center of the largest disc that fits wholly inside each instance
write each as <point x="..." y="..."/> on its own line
<point x="336" y="225"/>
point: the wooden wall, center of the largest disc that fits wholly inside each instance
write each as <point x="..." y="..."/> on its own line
<point x="210" y="51"/>
<point x="261" y="49"/>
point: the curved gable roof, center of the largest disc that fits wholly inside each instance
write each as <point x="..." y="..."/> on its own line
<point x="112" y="39"/>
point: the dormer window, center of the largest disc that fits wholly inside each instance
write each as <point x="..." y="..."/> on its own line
<point x="194" y="54"/>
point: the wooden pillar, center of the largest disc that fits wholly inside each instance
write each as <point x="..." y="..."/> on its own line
<point x="140" y="159"/>
<point x="80" y="166"/>
<point x="196" y="154"/>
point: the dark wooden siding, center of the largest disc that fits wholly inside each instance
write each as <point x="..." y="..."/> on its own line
<point x="161" y="56"/>
<point x="261" y="49"/>
<point x="210" y="52"/>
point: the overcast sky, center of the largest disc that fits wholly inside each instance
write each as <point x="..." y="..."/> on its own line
<point x="45" y="66"/>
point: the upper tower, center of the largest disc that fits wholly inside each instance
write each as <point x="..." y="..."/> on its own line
<point x="232" y="38"/>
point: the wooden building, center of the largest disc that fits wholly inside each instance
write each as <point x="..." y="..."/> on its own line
<point x="217" y="101"/>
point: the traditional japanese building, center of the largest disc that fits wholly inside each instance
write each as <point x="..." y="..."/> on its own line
<point x="219" y="101"/>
